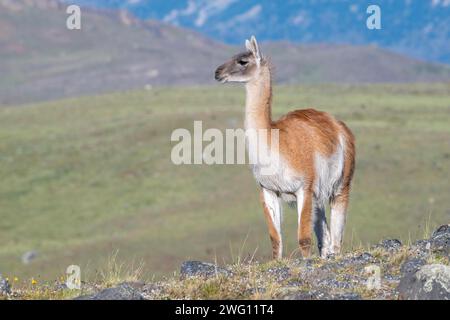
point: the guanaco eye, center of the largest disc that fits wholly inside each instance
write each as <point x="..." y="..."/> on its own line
<point x="243" y="62"/>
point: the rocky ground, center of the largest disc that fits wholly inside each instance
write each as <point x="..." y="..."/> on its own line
<point x="389" y="270"/>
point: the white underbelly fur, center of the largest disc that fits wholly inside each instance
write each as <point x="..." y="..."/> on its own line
<point x="285" y="181"/>
<point x="273" y="172"/>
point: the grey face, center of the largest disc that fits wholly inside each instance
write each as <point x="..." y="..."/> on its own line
<point x="240" y="68"/>
<point x="243" y="67"/>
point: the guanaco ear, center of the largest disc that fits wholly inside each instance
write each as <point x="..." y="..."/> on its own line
<point x="248" y="45"/>
<point x="255" y="48"/>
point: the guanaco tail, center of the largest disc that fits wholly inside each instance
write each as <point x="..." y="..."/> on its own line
<point x="315" y="158"/>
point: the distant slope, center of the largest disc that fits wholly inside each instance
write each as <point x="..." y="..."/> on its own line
<point x="352" y="64"/>
<point x="417" y="28"/>
<point x="41" y="60"/>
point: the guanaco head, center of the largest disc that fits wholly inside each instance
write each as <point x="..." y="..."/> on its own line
<point x="243" y="67"/>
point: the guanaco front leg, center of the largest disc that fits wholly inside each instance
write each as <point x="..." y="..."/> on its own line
<point x="304" y="209"/>
<point x="272" y="212"/>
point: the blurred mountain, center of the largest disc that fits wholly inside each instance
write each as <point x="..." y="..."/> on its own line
<point x="418" y="28"/>
<point x="40" y="59"/>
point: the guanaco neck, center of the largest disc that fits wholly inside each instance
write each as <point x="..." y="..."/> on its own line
<point x="258" y="104"/>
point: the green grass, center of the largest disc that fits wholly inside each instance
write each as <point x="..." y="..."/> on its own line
<point x="83" y="178"/>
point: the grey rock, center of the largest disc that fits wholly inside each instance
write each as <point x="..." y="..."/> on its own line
<point x="424" y="245"/>
<point x="390" y="244"/>
<point x="440" y="240"/>
<point x="203" y="269"/>
<point x="430" y="282"/>
<point x="391" y="277"/>
<point x="332" y="283"/>
<point x="444" y="229"/>
<point x="421" y="249"/>
<point x="347" y="296"/>
<point x="5" y="287"/>
<point x="295" y="283"/>
<point x="152" y="290"/>
<point x="363" y="258"/>
<point x="29" y="256"/>
<point x="321" y="295"/>
<point x="412" y="265"/>
<point x="280" y="273"/>
<point x="253" y="291"/>
<point x="124" y="291"/>
<point x="330" y="277"/>
<point x="307" y="295"/>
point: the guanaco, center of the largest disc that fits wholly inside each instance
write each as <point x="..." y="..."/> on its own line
<point x="316" y="156"/>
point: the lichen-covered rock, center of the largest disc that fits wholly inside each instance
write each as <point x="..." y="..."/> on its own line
<point x="412" y="265"/>
<point x="438" y="243"/>
<point x="390" y="244"/>
<point x="363" y="258"/>
<point x="430" y="282"/>
<point x="124" y="291"/>
<point x="5" y="287"/>
<point x="203" y="269"/>
<point x="444" y="229"/>
<point x="307" y="295"/>
<point x="347" y="296"/>
<point x="421" y="248"/>
<point x="279" y="273"/>
<point x="320" y="295"/>
<point x="440" y="240"/>
<point x="152" y="290"/>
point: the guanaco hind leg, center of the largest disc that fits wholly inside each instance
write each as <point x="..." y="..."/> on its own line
<point x="304" y="209"/>
<point x="337" y="220"/>
<point x="273" y="214"/>
<point x="321" y="230"/>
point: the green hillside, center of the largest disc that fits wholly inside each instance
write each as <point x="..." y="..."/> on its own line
<point x="85" y="177"/>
